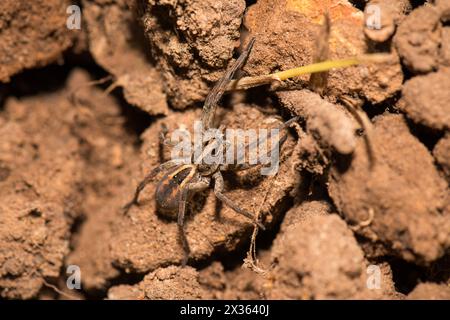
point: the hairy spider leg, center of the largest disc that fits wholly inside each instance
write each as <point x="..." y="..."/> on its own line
<point x="218" y="191"/>
<point x="189" y="187"/>
<point x="181" y="211"/>
<point x="163" y="140"/>
<point x="147" y="179"/>
<point x="245" y="166"/>
<point x="213" y="97"/>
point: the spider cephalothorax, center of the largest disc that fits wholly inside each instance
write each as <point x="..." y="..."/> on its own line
<point x="182" y="179"/>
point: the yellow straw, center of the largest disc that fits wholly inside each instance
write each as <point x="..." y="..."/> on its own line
<point x="316" y="67"/>
<point x="250" y="82"/>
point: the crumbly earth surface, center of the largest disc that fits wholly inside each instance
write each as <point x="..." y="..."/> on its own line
<point x="431" y="291"/>
<point x="32" y="35"/>
<point x="115" y="43"/>
<point x="428" y="107"/>
<point x="359" y="207"/>
<point x="399" y="216"/>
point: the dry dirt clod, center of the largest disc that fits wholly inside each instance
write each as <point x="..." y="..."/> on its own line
<point x="426" y="99"/>
<point x="237" y="284"/>
<point x="404" y="191"/>
<point x="441" y="153"/>
<point x="286" y="33"/>
<point x="328" y="122"/>
<point x="304" y="211"/>
<point x="418" y="39"/>
<point x="310" y="237"/>
<point x="39" y="197"/>
<point x="37" y="27"/>
<point x="430" y="291"/>
<point x="191" y="42"/>
<point x="317" y="258"/>
<point x="445" y="47"/>
<point x="117" y="43"/>
<point x="109" y="158"/>
<point x="173" y="283"/>
<point x="382" y="16"/>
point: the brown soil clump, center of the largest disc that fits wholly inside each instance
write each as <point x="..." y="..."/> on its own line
<point x="118" y="45"/>
<point x="174" y="283"/>
<point x="317" y="259"/>
<point x="418" y="38"/>
<point x="426" y="99"/>
<point x="37" y="27"/>
<point x="191" y="42"/>
<point x="430" y="291"/>
<point x="287" y="31"/>
<point x="41" y="176"/>
<point x="398" y="202"/>
<point x="441" y="153"/>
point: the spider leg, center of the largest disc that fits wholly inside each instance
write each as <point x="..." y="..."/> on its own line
<point x="219" y="88"/>
<point x="199" y="185"/>
<point x="193" y="187"/>
<point x="147" y="179"/>
<point x="163" y="140"/>
<point x="218" y="191"/>
<point x="245" y="165"/>
<point x="256" y="143"/>
<point x="181" y="213"/>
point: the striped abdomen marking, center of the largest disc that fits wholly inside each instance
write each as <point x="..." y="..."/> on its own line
<point x="169" y="188"/>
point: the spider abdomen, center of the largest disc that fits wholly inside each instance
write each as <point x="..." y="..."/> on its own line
<point x="167" y="194"/>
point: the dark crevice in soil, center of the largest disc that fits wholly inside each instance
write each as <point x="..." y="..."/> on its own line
<point x="375" y="47"/>
<point x="261" y="97"/>
<point x="417" y="3"/>
<point x="439" y="271"/>
<point x="130" y="279"/>
<point x="317" y="190"/>
<point x="359" y="4"/>
<point x="140" y="41"/>
<point x="426" y="135"/>
<point x="342" y="162"/>
<point x="51" y="78"/>
<point x="373" y="110"/>
<point x="137" y="120"/>
<point x="407" y="74"/>
<point x="3" y="96"/>
<point x="248" y="3"/>
<point x="406" y="275"/>
<point x="75" y="228"/>
<point x="229" y="260"/>
<point x="39" y="81"/>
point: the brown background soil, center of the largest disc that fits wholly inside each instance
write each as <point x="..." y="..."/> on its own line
<point x="72" y="152"/>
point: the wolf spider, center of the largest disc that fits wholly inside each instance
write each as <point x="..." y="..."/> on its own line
<point x="182" y="180"/>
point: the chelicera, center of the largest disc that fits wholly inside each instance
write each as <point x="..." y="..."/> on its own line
<point x="182" y="180"/>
